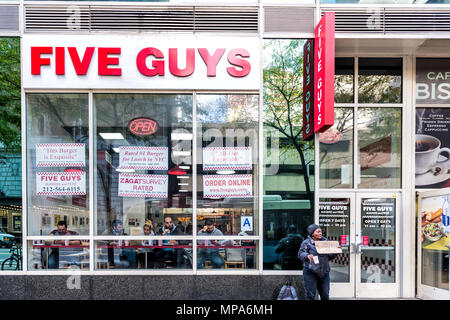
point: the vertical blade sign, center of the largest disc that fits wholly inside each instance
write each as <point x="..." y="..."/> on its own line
<point x="308" y="90"/>
<point x="324" y="73"/>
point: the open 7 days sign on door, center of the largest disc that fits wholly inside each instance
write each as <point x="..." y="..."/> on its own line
<point x="141" y="62"/>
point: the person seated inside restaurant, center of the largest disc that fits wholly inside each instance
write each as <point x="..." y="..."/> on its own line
<point x="211" y="254"/>
<point x="170" y="256"/>
<point x="69" y="254"/>
<point x="127" y="256"/>
<point x="145" y="255"/>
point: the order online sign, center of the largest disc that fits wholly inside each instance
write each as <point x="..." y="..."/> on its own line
<point x="227" y="186"/>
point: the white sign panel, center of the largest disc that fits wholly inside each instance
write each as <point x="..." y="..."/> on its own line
<point x="140" y="62"/>
<point x="246" y="223"/>
<point x="60" y="155"/>
<point x="60" y="183"/>
<point x="227" y="158"/>
<point x="143" y="185"/>
<point x="144" y="158"/>
<point x="227" y="186"/>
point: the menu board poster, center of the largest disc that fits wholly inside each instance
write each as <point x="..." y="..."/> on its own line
<point x="432" y="80"/>
<point x="61" y="183"/>
<point x="143" y="185"/>
<point x="435" y="224"/>
<point x="378" y="213"/>
<point x="227" y="158"/>
<point x="60" y="155"/>
<point x="227" y="186"/>
<point x="334" y="213"/>
<point x="144" y="158"/>
<point x="432" y="148"/>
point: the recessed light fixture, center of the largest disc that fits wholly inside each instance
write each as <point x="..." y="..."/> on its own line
<point x="182" y="190"/>
<point x="125" y="170"/>
<point x="183" y="184"/>
<point x="181" y="136"/>
<point x="117" y="150"/>
<point x="226" y="172"/>
<point x="181" y="153"/>
<point x="111" y="136"/>
<point x="185" y="167"/>
<point x="183" y="177"/>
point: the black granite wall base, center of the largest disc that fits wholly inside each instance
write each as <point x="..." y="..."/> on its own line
<point x="158" y="287"/>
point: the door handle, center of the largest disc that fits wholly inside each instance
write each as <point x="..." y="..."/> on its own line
<point x="357" y="247"/>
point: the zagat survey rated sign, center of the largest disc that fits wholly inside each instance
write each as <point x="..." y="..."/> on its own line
<point x="143" y="185"/>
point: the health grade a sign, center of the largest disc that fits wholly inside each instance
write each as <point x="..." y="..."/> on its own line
<point x="140" y="62"/>
<point x="318" y="85"/>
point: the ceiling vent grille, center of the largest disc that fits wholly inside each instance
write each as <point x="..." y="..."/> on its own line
<point x="289" y="19"/>
<point x="391" y="20"/>
<point x="9" y="17"/>
<point x="155" y="19"/>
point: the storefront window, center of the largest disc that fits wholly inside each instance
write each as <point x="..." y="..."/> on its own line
<point x="385" y="1"/>
<point x="336" y="151"/>
<point x="58" y="254"/>
<point x="58" y="162"/>
<point x="380" y="147"/>
<point x="227" y="254"/>
<point x="143" y="254"/>
<point x="227" y="157"/>
<point x="344" y="80"/>
<point x="380" y="80"/>
<point x="288" y="160"/>
<point x="11" y="156"/>
<point x="143" y="167"/>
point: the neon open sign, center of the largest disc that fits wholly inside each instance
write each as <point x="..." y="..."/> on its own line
<point x="143" y="126"/>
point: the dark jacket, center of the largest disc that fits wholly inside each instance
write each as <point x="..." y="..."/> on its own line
<point x="289" y="245"/>
<point x="308" y="247"/>
<point x="173" y="232"/>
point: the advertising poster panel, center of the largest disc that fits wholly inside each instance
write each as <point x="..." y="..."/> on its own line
<point x="227" y="158"/>
<point x="143" y="185"/>
<point x="60" y="155"/>
<point x="60" y="183"/>
<point x="432" y="141"/>
<point x="143" y="158"/>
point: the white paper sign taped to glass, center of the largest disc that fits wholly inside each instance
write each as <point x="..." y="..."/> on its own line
<point x="227" y="186"/>
<point x="61" y="183"/>
<point x="246" y="223"/>
<point x="143" y="185"/>
<point x="327" y="247"/>
<point x="60" y="155"/>
<point x="143" y="158"/>
<point x="227" y="158"/>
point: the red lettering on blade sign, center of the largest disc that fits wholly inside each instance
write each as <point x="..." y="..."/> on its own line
<point x="235" y="61"/>
<point x="104" y="62"/>
<point x="158" y="65"/>
<point x="173" y="63"/>
<point x="81" y="66"/>
<point x="37" y="61"/>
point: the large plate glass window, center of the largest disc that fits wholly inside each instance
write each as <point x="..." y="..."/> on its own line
<point x="11" y="156"/>
<point x="143" y="178"/>
<point x="288" y="181"/>
<point x="58" y="163"/>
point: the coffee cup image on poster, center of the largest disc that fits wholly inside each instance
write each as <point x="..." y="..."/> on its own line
<point x="432" y="148"/>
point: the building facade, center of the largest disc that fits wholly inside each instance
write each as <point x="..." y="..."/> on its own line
<point x="161" y="149"/>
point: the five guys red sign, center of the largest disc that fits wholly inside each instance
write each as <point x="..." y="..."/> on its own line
<point x="141" y="62"/>
<point x="323" y="90"/>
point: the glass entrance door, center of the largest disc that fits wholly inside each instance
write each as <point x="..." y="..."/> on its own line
<point x="434" y="241"/>
<point x="365" y="224"/>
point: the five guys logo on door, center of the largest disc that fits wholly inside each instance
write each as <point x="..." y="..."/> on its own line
<point x="107" y="65"/>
